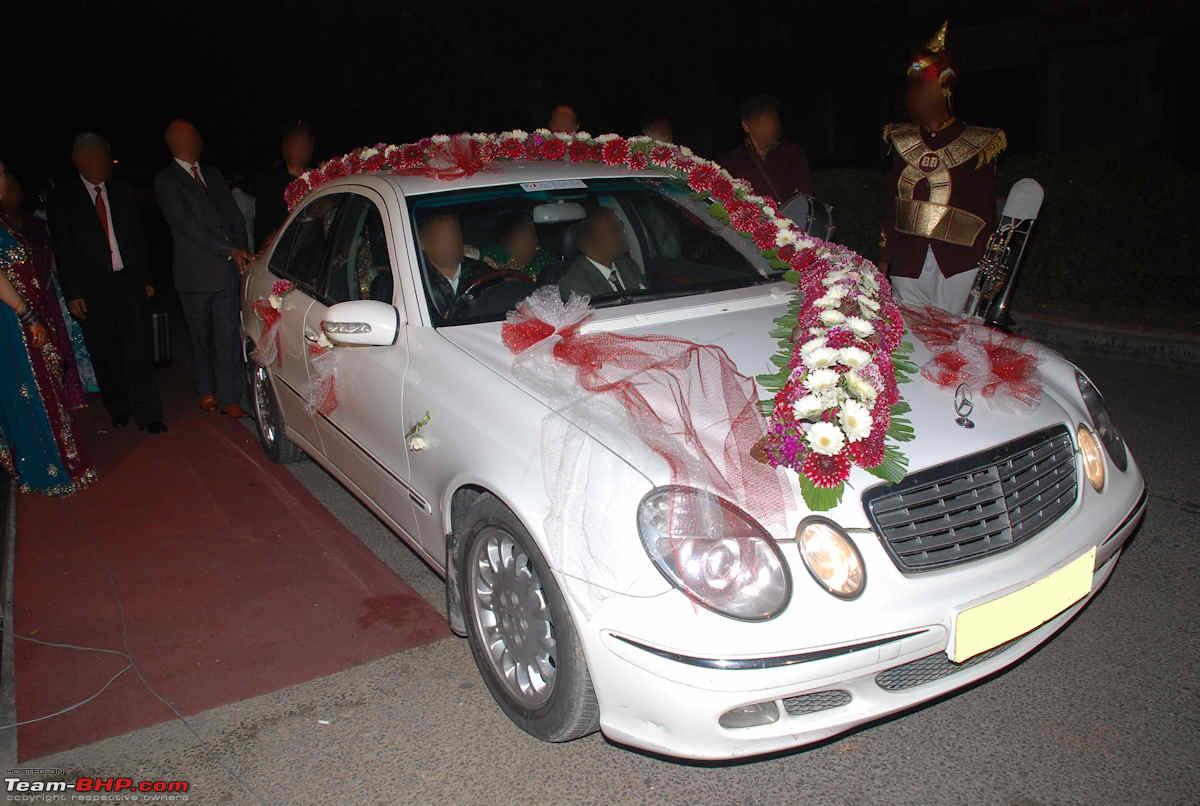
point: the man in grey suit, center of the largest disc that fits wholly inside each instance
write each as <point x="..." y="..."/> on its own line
<point x="602" y="267"/>
<point x="209" y="236"/>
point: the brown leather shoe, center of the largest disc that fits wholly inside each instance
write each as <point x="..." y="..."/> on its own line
<point x="235" y="411"/>
<point x="209" y="402"/>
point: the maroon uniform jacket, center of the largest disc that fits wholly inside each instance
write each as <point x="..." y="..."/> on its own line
<point x="780" y="175"/>
<point x="941" y="193"/>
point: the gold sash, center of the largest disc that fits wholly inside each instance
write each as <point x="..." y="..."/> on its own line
<point x="936" y="218"/>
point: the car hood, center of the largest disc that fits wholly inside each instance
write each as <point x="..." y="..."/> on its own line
<point x="740" y="322"/>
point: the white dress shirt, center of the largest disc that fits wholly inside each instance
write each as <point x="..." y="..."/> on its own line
<point x="454" y="280"/>
<point x="102" y="190"/>
<point x="187" y="167"/>
<point x="609" y="273"/>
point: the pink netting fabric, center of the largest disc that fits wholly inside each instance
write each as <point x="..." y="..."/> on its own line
<point x="686" y="402"/>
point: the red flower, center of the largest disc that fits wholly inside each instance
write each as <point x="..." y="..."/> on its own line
<point x="826" y="471"/>
<point x="511" y="148"/>
<point x="315" y="178"/>
<point x="661" y="155"/>
<point x="336" y="168"/>
<point x="533" y="146"/>
<point x="744" y="217"/>
<point x="373" y="163"/>
<point x="489" y="150"/>
<point x="701" y="177"/>
<point x="579" y="151"/>
<point x="553" y="149"/>
<point x="614" y="152"/>
<point x="764" y="235"/>
<point x="868" y="452"/>
<point x="294" y="192"/>
<point x="786" y="252"/>
<point x="411" y="156"/>
<point x="638" y="160"/>
<point x="722" y="190"/>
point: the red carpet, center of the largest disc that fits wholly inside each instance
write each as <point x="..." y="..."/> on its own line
<point x="234" y="579"/>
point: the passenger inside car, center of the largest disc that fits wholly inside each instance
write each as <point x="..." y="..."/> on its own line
<point x="517" y="246"/>
<point x="602" y="267"/>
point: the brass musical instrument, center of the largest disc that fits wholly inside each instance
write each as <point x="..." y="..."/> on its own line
<point x="1002" y="256"/>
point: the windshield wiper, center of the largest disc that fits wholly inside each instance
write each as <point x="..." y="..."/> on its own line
<point x="645" y="295"/>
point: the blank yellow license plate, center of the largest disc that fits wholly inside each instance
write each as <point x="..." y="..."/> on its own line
<point x="990" y="624"/>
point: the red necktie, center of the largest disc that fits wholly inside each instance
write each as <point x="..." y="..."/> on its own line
<point x="102" y="213"/>
<point x="196" y="175"/>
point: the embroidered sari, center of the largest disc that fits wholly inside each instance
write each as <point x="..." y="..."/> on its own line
<point x="38" y="444"/>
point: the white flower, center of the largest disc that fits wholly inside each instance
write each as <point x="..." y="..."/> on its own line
<point x="837" y="291"/>
<point x="835" y="277"/>
<point x="640" y="138"/>
<point x="323" y="341"/>
<point x="810" y="345"/>
<point x="854" y="357"/>
<point x="368" y="152"/>
<point x="606" y="138"/>
<point x="517" y="134"/>
<point x="821" y="357"/>
<point x="562" y="136"/>
<point x="859" y="387"/>
<point x="827" y="302"/>
<point x="685" y="151"/>
<point x="832" y="317"/>
<point x="859" y="326"/>
<point x="417" y="443"/>
<point x="856" y="420"/>
<point x="821" y="379"/>
<point x="785" y="236"/>
<point x="826" y="438"/>
<point x="807" y="407"/>
<point x="868" y="304"/>
<point x="869" y="282"/>
<point x="583" y="136"/>
<point x="544" y="132"/>
<point x="276" y="301"/>
<point x="440" y="138"/>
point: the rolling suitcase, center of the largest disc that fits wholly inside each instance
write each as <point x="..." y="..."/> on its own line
<point x="160" y="336"/>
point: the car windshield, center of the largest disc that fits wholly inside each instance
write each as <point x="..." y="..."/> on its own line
<point x="618" y="241"/>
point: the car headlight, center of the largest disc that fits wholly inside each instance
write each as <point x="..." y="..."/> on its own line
<point x="1093" y="457"/>
<point x="714" y="552"/>
<point x="1102" y="421"/>
<point x="831" y="557"/>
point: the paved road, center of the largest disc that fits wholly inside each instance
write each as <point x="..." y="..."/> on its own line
<point x="1105" y="713"/>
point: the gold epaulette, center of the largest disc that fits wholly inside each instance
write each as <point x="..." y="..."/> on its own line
<point x="994" y="141"/>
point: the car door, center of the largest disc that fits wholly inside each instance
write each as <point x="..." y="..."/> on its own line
<point x="364" y="433"/>
<point x="300" y="256"/>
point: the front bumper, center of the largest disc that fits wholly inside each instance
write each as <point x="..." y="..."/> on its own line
<point x="669" y="702"/>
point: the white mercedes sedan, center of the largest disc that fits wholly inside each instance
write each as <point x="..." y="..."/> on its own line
<point x="595" y="591"/>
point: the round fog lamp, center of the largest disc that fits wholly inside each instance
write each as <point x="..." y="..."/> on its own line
<point x="831" y="557"/>
<point x="1093" y="457"/>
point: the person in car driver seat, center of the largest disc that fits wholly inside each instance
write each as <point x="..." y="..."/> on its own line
<point x="450" y="271"/>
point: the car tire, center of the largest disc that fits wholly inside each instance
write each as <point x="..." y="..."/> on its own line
<point x="501" y="571"/>
<point x="268" y="419"/>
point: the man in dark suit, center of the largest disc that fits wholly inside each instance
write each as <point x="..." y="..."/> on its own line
<point x="103" y="267"/>
<point x="602" y="267"/>
<point x="296" y="149"/>
<point x="450" y="271"/>
<point x="209" y="236"/>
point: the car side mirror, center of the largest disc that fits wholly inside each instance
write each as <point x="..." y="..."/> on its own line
<point x="362" y="321"/>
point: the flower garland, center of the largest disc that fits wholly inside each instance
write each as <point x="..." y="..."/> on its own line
<point x="836" y="402"/>
<point x="322" y="392"/>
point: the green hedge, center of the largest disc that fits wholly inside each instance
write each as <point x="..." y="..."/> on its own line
<point x="1115" y="241"/>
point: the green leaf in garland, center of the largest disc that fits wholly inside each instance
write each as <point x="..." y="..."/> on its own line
<point x="819" y="499"/>
<point x="718" y="212"/>
<point x="792" y="276"/>
<point x="901" y="429"/>
<point x="894" y="466"/>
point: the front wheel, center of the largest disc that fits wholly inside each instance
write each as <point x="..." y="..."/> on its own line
<point x="269" y="419"/>
<point x="520" y="630"/>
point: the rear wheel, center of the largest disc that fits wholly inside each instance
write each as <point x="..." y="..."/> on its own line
<point x="520" y="631"/>
<point x="269" y="419"/>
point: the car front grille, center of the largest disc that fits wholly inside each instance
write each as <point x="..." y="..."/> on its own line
<point x="932" y="667"/>
<point x="803" y="704"/>
<point x="977" y="505"/>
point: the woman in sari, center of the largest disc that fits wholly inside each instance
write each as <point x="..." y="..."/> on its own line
<point x="37" y="438"/>
<point x="53" y="313"/>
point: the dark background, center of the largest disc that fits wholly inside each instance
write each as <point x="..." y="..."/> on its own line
<point x="1054" y="74"/>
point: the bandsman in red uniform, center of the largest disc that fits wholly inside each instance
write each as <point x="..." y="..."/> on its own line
<point x="941" y="204"/>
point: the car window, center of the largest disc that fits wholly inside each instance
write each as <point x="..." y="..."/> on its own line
<point x="305" y="243"/>
<point x="656" y="234"/>
<point x="359" y="267"/>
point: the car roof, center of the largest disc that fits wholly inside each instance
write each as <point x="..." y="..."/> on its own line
<point x="508" y="173"/>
